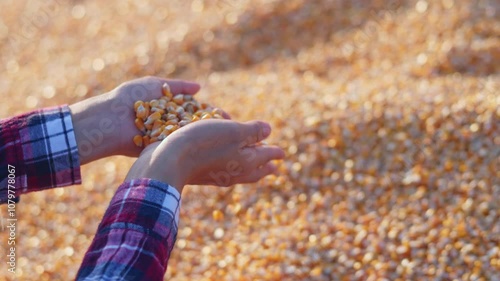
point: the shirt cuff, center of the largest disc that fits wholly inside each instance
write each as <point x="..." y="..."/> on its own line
<point x="147" y="203"/>
<point x="45" y="152"/>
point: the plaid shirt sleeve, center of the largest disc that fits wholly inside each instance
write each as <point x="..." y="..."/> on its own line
<point x="42" y="149"/>
<point x="136" y="235"/>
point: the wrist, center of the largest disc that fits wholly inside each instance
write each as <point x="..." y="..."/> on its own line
<point x="93" y="130"/>
<point x="172" y="169"/>
<point x="165" y="164"/>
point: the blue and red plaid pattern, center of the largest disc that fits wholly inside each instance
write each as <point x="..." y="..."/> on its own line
<point x="41" y="146"/>
<point x="138" y="231"/>
<point x="137" y="234"/>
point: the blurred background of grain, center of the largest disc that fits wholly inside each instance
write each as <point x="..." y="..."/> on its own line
<point x="388" y="110"/>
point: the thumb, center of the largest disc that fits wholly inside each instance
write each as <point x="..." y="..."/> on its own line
<point x="253" y="132"/>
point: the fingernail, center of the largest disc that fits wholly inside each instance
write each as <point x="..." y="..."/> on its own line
<point x="266" y="130"/>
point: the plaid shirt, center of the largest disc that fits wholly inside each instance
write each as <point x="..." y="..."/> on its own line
<point x="139" y="228"/>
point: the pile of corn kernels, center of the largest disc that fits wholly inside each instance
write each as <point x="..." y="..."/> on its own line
<point x="157" y="119"/>
<point x="389" y="112"/>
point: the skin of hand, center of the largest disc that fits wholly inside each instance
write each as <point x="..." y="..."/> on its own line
<point x="212" y="152"/>
<point x="104" y="124"/>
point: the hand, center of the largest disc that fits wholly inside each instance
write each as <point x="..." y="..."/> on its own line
<point x="104" y="124"/>
<point x="215" y="152"/>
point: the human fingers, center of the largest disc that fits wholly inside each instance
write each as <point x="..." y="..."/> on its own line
<point x="182" y="86"/>
<point x="253" y="132"/>
<point x="265" y="170"/>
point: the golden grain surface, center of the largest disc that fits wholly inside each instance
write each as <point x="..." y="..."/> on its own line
<point x="389" y="112"/>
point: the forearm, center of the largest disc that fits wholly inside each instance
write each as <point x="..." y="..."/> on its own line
<point x="136" y="235"/>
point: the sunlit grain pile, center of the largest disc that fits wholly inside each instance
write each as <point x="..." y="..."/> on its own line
<point x="389" y="112"/>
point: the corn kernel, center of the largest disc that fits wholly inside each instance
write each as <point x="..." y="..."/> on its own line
<point x="178" y="99"/>
<point x="137" y="104"/>
<point x="152" y="118"/>
<point x="154" y="103"/>
<point x="171" y="106"/>
<point x="138" y="140"/>
<point x="155" y="133"/>
<point x="183" y="123"/>
<point x="171" y="122"/>
<point x="158" y="118"/>
<point x="157" y="124"/>
<point x="140" y="125"/>
<point x="166" y="91"/>
<point x="217" y="215"/>
<point x="142" y="111"/>
<point x="171" y="116"/>
<point x="157" y="109"/>
<point x="216" y="111"/>
<point x="179" y="110"/>
<point x="146" y="140"/>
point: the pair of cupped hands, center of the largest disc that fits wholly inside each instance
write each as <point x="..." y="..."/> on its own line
<point x="212" y="152"/>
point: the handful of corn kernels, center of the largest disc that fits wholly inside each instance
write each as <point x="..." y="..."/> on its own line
<point x="159" y="118"/>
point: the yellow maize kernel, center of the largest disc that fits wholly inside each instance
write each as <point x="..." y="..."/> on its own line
<point x="186" y="115"/>
<point x="217" y="111"/>
<point x="189" y="107"/>
<point x="146" y="140"/>
<point x="178" y="99"/>
<point x="171" y="106"/>
<point x="217" y="215"/>
<point x="163" y="135"/>
<point x="171" y="116"/>
<point x="157" y="109"/>
<point x="166" y="91"/>
<point x="154" y="103"/>
<point x="140" y="125"/>
<point x="179" y="110"/>
<point x="171" y="122"/>
<point x="156" y="132"/>
<point x="157" y="124"/>
<point x="137" y="104"/>
<point x="217" y="116"/>
<point x="138" y="140"/>
<point x="152" y="118"/>
<point x="206" y="116"/>
<point x="142" y="111"/>
<point x="195" y="118"/>
<point x="184" y="123"/>
<point x="169" y="128"/>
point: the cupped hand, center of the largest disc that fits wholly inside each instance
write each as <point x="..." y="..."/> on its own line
<point x="104" y="124"/>
<point x="212" y="152"/>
